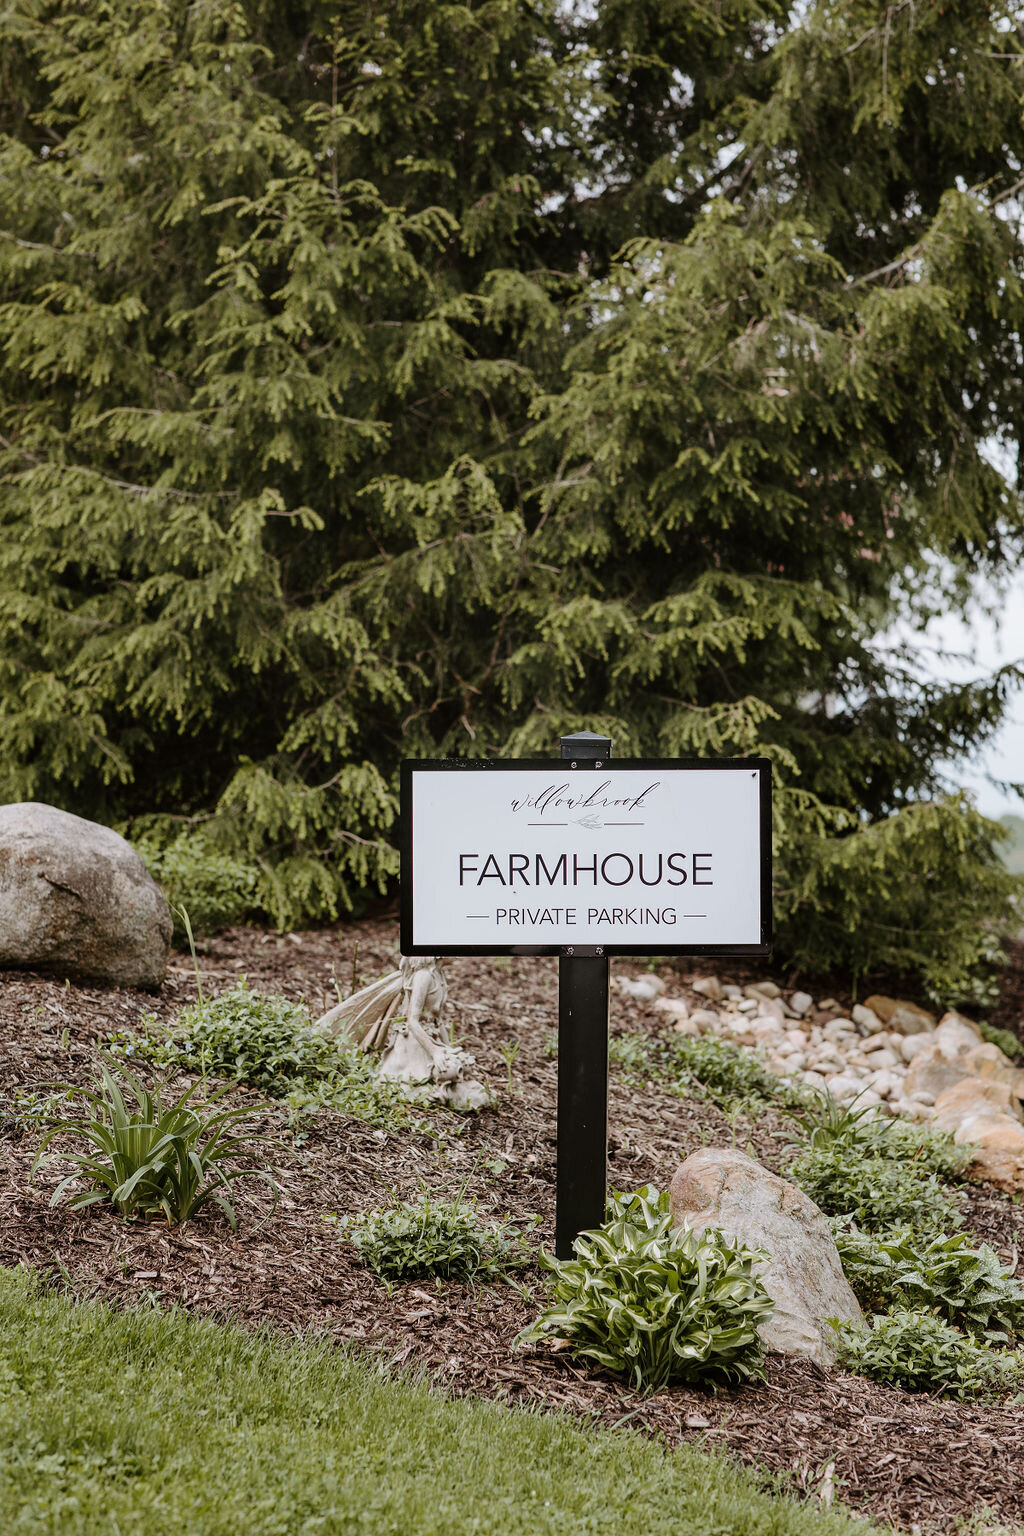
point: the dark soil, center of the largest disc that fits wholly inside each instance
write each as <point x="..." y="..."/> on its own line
<point x="911" y="1460"/>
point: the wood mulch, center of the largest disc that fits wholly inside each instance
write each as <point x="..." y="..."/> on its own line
<point x="917" y="1462"/>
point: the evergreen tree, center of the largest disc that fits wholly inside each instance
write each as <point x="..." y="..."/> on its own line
<point x="414" y="379"/>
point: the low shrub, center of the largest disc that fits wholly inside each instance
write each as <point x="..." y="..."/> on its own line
<point x="703" y="1066"/>
<point x="443" y="1239"/>
<point x="259" y="1038"/>
<point x="876" y="1191"/>
<point x="657" y="1302"/>
<point x="266" y="1041"/>
<point x="964" y="1285"/>
<point x="722" y="1072"/>
<point x="922" y="1147"/>
<point x="857" y="1129"/>
<point x="633" y="1054"/>
<point x="914" y="1349"/>
<point x="217" y="889"/>
<point x="149" y="1159"/>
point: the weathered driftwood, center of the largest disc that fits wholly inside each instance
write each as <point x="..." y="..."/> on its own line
<point x="400" y="1018"/>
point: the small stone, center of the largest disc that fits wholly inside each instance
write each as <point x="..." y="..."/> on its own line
<point x="685" y="1027"/>
<point x="759" y="989"/>
<point x="908" y="1019"/>
<point x="886" y="1058"/>
<point x="940" y="1064"/>
<point x="829" y="1005"/>
<point x="843" y="1088"/>
<point x="709" y="987"/>
<point x="796" y="1037"/>
<point x="829" y="1062"/>
<point x="772" y="1007"/>
<point x="706" y="1020"/>
<point x="675" y="1007"/>
<point x="866" y="1020"/>
<point x="955" y="1030"/>
<point x="838" y="1030"/>
<point x="974" y="1096"/>
<point x="800" y="1003"/>
<point x="997" y="1143"/>
<point x="748" y="1005"/>
<point x="644" y="988"/>
<point x="814" y="1080"/>
<point x="875" y="1043"/>
<point x="886" y="1084"/>
<point x="731" y="990"/>
<point x="910" y="1109"/>
<point x="989" y="1061"/>
<point x="909" y="1045"/>
<point x="919" y="1096"/>
<point x="900" y="1017"/>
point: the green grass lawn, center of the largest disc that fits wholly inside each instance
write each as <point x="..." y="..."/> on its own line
<point x="131" y="1423"/>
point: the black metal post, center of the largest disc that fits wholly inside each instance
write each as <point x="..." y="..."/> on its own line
<point x="582" y="1061"/>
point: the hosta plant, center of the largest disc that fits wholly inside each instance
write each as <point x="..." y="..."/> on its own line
<point x="914" y="1349"/>
<point x="967" y="1286"/>
<point x="148" y="1158"/>
<point x="656" y="1302"/>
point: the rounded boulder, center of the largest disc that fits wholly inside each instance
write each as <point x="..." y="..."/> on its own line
<point x="76" y="901"/>
<point x="721" y="1187"/>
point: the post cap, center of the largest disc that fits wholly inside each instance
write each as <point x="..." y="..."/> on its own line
<point x="586" y="744"/>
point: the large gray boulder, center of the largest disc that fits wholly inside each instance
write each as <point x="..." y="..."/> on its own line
<point x="77" y="901"/>
<point x="720" y="1187"/>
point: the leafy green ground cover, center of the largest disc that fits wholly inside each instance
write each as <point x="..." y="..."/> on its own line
<point x="262" y="1039"/>
<point x="145" y="1422"/>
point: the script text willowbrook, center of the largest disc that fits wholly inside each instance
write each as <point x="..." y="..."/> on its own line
<point x="554" y="798"/>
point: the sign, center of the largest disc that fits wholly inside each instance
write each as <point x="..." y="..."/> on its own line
<point x="628" y="857"/>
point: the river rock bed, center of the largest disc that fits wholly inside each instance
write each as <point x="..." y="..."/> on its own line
<point x="885" y="1056"/>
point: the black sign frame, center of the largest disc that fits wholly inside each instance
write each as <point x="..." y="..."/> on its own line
<point x="760" y="765"/>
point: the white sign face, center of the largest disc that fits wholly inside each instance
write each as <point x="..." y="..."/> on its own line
<point x="539" y="856"/>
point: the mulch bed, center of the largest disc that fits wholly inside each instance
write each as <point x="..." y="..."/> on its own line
<point x="911" y="1460"/>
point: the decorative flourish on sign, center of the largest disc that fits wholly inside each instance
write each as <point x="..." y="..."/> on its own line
<point x="592" y="823"/>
